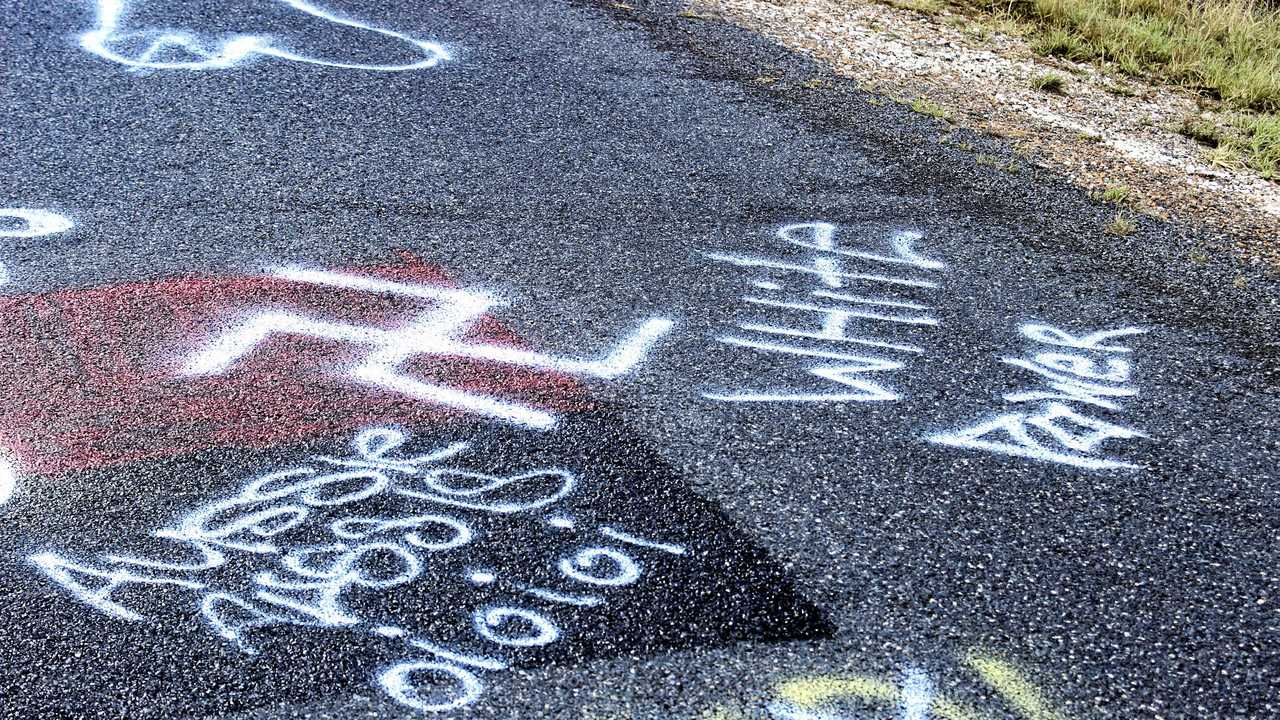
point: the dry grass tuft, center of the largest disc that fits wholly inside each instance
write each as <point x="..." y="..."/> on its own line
<point x="1120" y="225"/>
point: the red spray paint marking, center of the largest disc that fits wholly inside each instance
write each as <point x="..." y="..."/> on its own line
<point x="88" y="378"/>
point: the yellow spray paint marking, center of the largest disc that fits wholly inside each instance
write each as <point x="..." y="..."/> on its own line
<point x="1007" y="680"/>
<point x="813" y="693"/>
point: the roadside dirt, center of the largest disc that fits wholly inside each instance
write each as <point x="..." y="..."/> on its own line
<point x="1100" y="131"/>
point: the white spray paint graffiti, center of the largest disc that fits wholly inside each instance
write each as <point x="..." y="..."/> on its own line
<point x="8" y="481"/>
<point x="436" y="332"/>
<point x="303" y="583"/>
<point x="111" y="38"/>
<point x="37" y="223"/>
<point x="1078" y="369"/>
<point x="917" y="695"/>
<point x="837" y="313"/>
<point x="34" y="223"/>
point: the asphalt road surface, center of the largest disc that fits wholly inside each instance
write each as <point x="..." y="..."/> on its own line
<point x="587" y="360"/>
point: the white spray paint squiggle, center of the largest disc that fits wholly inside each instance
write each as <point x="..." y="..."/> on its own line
<point x="8" y="481"/>
<point x="38" y="223"/>
<point x="35" y="223"/>
<point x="917" y="695"/>
<point x="842" y="360"/>
<point x="437" y="332"/>
<point x="213" y="54"/>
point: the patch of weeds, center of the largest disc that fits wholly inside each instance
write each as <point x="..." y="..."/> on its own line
<point x="978" y="31"/>
<point x="1012" y="167"/>
<point x="1006" y="24"/>
<point x="928" y="7"/>
<point x="1089" y="137"/>
<point x="1116" y="194"/>
<point x="1199" y="257"/>
<point x="1260" y="142"/>
<point x="1227" y="52"/>
<point x="1120" y="225"/>
<point x="811" y="84"/>
<point x="623" y="6"/>
<point x="1121" y="89"/>
<point x="1050" y="83"/>
<point x="1129" y="65"/>
<point x="1061" y="43"/>
<point x="1224" y="48"/>
<point x="1201" y="130"/>
<point x="1226" y="157"/>
<point x="1238" y="140"/>
<point x="1240" y="283"/>
<point x="875" y="101"/>
<point x="925" y="106"/>
<point x="987" y="160"/>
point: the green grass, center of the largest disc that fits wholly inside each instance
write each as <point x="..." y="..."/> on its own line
<point x="1060" y="43"/>
<point x="1238" y="140"/>
<point x="1202" y="130"/>
<point x="1121" y="89"/>
<point x="925" y="106"/>
<point x="928" y="7"/>
<point x="1116" y="194"/>
<point x="1260" y="139"/>
<point x="1050" y="83"/>
<point x="1227" y="51"/>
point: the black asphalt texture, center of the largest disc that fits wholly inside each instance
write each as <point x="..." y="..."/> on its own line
<point x="808" y="557"/>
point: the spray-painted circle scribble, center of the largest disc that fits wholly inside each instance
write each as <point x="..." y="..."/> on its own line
<point x="399" y="683"/>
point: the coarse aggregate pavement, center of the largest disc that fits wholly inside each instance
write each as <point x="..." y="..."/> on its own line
<point x="764" y="504"/>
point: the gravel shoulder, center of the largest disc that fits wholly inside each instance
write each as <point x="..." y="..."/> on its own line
<point x="1101" y="132"/>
